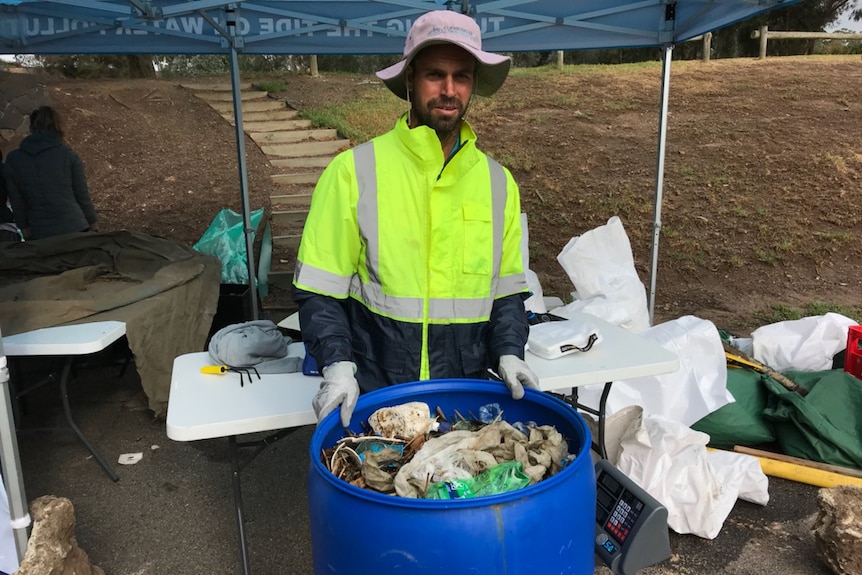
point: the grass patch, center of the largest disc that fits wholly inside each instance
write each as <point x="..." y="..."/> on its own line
<point x="582" y="69"/>
<point x="837" y="237"/>
<point x="514" y="162"/>
<point x="780" y="312"/>
<point x="361" y="119"/>
<point x="620" y="105"/>
<point x="837" y="161"/>
<point x="736" y="261"/>
<point x="739" y="212"/>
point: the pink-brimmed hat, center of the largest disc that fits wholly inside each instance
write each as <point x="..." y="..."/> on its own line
<point x="447" y="27"/>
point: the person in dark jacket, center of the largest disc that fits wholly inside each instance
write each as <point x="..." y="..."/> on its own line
<point x="46" y="183"/>
<point x="8" y="229"/>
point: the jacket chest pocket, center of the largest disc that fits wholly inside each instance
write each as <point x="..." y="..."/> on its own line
<point x="478" y="239"/>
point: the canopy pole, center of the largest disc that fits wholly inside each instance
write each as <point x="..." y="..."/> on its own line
<point x="240" y="150"/>
<point x="11" y="464"/>
<point x="659" y="178"/>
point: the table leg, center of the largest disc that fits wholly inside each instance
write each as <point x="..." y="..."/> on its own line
<point x="237" y="467"/>
<point x="603" y="401"/>
<point x="237" y="497"/>
<point x="64" y="393"/>
<point x="599" y="445"/>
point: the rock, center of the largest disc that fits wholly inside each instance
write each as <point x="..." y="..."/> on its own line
<point x="838" y="529"/>
<point x="52" y="548"/>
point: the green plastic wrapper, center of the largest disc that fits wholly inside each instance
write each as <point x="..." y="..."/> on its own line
<point x="501" y="478"/>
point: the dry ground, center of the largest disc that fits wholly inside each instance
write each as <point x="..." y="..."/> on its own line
<point x="762" y="188"/>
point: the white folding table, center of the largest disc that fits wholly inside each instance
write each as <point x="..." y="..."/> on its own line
<point x="209" y="406"/>
<point x="69" y="342"/>
<point x="203" y="406"/>
<point x="620" y="355"/>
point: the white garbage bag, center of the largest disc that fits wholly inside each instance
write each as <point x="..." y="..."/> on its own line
<point x="670" y="461"/>
<point x="601" y="267"/>
<point x="806" y="344"/>
<point x="695" y="390"/>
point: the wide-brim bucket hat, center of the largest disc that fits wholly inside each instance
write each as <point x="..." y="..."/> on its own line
<point x="448" y="27"/>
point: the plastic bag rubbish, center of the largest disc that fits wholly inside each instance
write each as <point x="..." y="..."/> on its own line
<point x="462" y="454"/>
<point x="695" y="390"/>
<point x="225" y="239"/>
<point x="501" y="478"/>
<point x="405" y="421"/>
<point x="806" y="344"/>
<point x="671" y="463"/>
<point x="601" y="266"/>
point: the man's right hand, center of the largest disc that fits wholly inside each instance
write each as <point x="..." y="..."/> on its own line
<point x="339" y="387"/>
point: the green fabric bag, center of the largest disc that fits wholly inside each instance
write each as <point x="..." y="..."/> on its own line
<point x="741" y="422"/>
<point x="826" y="424"/>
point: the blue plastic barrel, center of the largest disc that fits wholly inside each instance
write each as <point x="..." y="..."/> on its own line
<point x="545" y="528"/>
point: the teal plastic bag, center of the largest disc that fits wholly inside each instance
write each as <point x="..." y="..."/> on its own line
<point x="225" y="239"/>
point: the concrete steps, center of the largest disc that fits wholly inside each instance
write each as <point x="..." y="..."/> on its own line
<point x="274" y="125"/>
<point x="248" y="106"/>
<point x="297" y="150"/>
<point x="291" y="136"/>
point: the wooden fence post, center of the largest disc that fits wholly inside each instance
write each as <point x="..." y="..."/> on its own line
<point x="560" y="60"/>
<point x="763" y="34"/>
<point x="312" y="62"/>
<point x="707" y="46"/>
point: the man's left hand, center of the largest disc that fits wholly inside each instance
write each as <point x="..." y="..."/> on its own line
<point x="517" y="375"/>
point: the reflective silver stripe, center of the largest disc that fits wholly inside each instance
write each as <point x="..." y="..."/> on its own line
<point x="509" y="285"/>
<point x="461" y="308"/>
<point x="366" y="206"/>
<point x="322" y="280"/>
<point x="411" y="309"/>
<point x="498" y="207"/>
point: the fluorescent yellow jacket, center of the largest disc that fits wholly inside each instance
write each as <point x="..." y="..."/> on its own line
<point x="417" y="254"/>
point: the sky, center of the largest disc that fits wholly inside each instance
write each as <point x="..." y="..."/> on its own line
<point x="845" y="22"/>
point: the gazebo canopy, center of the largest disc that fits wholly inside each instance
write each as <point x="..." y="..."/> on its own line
<point x="350" y="27"/>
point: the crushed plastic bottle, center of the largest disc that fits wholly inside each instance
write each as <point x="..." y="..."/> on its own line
<point x="501" y="478"/>
<point x="489" y="413"/>
<point x="524" y="428"/>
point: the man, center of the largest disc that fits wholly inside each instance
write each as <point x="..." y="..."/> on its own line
<point x="410" y="266"/>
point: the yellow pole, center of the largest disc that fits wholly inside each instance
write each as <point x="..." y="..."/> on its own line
<point x="803" y="474"/>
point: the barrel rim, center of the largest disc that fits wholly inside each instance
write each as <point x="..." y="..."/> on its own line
<point x="408" y="390"/>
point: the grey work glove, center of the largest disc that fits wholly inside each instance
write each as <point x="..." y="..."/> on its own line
<point x="517" y="375"/>
<point x="339" y="387"/>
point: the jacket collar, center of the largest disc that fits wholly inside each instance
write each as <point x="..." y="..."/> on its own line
<point x="424" y="145"/>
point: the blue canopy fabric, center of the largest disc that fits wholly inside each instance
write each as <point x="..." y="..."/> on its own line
<point x="351" y="26"/>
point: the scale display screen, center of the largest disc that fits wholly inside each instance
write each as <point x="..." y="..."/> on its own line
<point x="618" y="508"/>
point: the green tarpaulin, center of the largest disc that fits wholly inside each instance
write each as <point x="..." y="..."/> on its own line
<point x="824" y="425"/>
